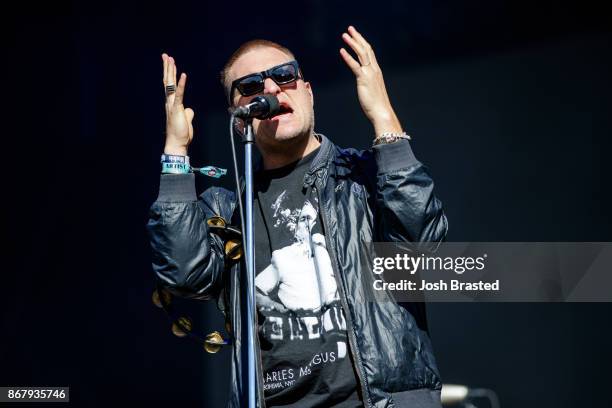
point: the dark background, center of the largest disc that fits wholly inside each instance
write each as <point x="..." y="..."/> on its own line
<point x="508" y="103"/>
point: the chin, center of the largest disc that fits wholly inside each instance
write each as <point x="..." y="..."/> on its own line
<point x="283" y="133"/>
<point x="282" y="136"/>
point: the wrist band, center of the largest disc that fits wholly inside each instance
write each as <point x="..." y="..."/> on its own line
<point x="210" y="171"/>
<point x="175" y="168"/>
<point x="182" y="168"/>
<point x="172" y="158"/>
<point x="390" y="137"/>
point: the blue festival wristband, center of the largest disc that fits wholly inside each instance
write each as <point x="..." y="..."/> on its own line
<point x="175" y="168"/>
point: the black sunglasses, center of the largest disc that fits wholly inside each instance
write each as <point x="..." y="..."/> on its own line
<point x="254" y="83"/>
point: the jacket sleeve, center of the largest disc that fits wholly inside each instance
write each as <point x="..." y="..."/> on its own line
<point x="187" y="260"/>
<point x="406" y="208"/>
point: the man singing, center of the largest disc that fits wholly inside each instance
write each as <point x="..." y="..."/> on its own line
<point x="317" y="209"/>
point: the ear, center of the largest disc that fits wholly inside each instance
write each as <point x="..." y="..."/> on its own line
<point x="309" y="89"/>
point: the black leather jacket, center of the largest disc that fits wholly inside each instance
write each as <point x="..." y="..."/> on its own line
<point x="381" y="194"/>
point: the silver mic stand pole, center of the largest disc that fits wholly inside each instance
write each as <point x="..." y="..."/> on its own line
<point x="248" y="141"/>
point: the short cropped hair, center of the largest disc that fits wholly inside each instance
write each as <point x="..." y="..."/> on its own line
<point x="243" y="49"/>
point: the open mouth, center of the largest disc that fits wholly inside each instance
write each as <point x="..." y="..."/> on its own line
<point x="283" y="110"/>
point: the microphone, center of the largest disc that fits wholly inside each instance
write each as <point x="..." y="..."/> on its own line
<point x="260" y="107"/>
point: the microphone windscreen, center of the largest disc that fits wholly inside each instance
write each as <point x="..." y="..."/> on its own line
<point x="273" y="104"/>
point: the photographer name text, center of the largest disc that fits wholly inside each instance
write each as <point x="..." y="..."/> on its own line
<point x="441" y="285"/>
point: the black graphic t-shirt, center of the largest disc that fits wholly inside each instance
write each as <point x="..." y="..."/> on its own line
<point x="302" y="327"/>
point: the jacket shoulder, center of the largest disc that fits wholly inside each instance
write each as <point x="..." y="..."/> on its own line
<point x="355" y="160"/>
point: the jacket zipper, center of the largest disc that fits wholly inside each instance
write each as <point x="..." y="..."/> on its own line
<point x="347" y="314"/>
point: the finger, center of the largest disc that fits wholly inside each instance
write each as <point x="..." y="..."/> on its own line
<point x="359" y="50"/>
<point x="165" y="60"/>
<point x="190" y="114"/>
<point x="358" y="37"/>
<point x="171" y="80"/>
<point x="172" y="76"/>
<point x="174" y="72"/>
<point x="373" y="57"/>
<point x="365" y="44"/>
<point x="350" y="61"/>
<point x="180" y="89"/>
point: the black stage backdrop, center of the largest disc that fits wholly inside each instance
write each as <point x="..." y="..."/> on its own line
<point x="508" y="103"/>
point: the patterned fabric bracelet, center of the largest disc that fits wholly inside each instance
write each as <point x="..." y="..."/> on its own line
<point x="210" y="171"/>
<point x="175" y="168"/>
<point x="390" y="137"/>
<point x="172" y="158"/>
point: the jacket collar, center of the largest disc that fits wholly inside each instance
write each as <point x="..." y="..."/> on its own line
<point x="320" y="163"/>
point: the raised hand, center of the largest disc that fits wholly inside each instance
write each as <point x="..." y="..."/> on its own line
<point x="179" y="128"/>
<point x="371" y="88"/>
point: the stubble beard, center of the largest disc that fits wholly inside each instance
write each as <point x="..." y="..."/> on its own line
<point x="279" y="144"/>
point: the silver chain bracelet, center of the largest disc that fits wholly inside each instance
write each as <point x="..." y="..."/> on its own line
<point x="390" y="137"/>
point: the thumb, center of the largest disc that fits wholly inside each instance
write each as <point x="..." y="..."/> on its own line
<point x="190" y="114"/>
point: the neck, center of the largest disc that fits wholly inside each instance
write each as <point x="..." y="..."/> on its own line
<point x="294" y="150"/>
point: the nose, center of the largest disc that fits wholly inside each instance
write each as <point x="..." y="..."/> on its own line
<point x="271" y="87"/>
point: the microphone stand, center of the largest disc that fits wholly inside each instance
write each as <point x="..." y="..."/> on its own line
<point x="264" y="105"/>
<point x="248" y="141"/>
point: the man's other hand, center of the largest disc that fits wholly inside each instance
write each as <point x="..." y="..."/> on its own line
<point x="371" y="88"/>
<point x="179" y="128"/>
